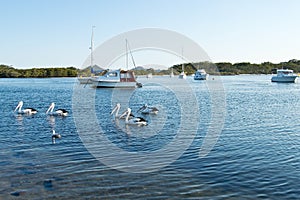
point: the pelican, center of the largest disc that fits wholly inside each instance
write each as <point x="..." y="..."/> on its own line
<point x="145" y="109"/>
<point x="55" y="136"/>
<point x="59" y="112"/>
<point x="116" y="110"/>
<point x="28" y="111"/>
<point x="136" y="120"/>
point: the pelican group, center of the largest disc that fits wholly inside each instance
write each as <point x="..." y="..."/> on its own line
<point x="145" y="109"/>
<point x="58" y="112"/>
<point x="28" y="111"/>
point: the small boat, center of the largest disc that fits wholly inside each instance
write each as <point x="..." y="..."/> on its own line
<point x="115" y="79"/>
<point x="285" y="76"/>
<point x="201" y="74"/>
<point x="172" y="73"/>
<point x="149" y="75"/>
<point x="182" y="75"/>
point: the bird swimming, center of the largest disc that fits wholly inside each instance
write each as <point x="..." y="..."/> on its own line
<point x="58" y="112"/>
<point x="28" y="111"/>
<point x="136" y="120"/>
<point x="116" y="110"/>
<point x="55" y="136"/>
<point x="145" y="109"/>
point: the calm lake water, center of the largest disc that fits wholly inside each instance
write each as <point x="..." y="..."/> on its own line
<point x="256" y="155"/>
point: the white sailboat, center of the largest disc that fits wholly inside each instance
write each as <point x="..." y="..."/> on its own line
<point x="117" y="78"/>
<point x="182" y="75"/>
<point x="172" y="73"/>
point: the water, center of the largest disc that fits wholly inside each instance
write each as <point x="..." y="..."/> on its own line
<point x="256" y="155"/>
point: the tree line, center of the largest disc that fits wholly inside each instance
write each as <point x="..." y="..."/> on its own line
<point x="222" y="68"/>
<point x="10" y="72"/>
<point x="227" y="68"/>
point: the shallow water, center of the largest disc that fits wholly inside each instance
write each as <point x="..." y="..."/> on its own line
<point x="255" y="156"/>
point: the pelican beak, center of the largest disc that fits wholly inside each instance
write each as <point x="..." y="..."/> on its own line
<point x="115" y="108"/>
<point x="141" y="108"/>
<point x="123" y="114"/>
<point x="18" y="106"/>
<point x="50" y="107"/>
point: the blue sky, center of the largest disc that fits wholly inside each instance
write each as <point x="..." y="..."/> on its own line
<point x="37" y="33"/>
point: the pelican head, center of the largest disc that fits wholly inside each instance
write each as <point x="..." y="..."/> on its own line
<point x="116" y="109"/>
<point x="51" y="107"/>
<point x="19" y="106"/>
<point x="143" y="107"/>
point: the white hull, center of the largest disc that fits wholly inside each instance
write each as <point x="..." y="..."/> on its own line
<point x="182" y="75"/>
<point x="284" y="79"/>
<point x="285" y="76"/>
<point x="201" y="77"/>
<point x="110" y="84"/>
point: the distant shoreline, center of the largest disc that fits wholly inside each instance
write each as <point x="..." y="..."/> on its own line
<point x="221" y="68"/>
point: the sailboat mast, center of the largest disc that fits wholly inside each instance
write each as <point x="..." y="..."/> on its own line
<point x="126" y="54"/>
<point x="92" y="48"/>
<point x="182" y="60"/>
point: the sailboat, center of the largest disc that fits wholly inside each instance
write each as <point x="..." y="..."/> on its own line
<point x="172" y="73"/>
<point x="182" y="75"/>
<point x="117" y="78"/>
<point x="87" y="79"/>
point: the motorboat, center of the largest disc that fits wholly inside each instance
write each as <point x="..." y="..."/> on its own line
<point x="285" y="76"/>
<point x="115" y="79"/>
<point x="201" y="74"/>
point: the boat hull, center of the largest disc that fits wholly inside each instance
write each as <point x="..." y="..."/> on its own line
<point x="201" y="77"/>
<point x="285" y="79"/>
<point x="105" y="84"/>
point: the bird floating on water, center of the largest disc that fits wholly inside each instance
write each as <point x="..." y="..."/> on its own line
<point x="58" y="112"/>
<point x="55" y="136"/>
<point x="116" y="110"/>
<point x="136" y="120"/>
<point x="28" y="111"/>
<point x="145" y="109"/>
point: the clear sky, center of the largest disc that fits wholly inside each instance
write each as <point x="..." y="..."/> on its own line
<point x="41" y="33"/>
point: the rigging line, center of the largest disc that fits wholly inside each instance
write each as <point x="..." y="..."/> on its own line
<point x="131" y="55"/>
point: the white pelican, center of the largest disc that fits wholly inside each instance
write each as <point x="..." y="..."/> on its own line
<point x="145" y="109"/>
<point x="28" y="111"/>
<point x="55" y="136"/>
<point x="116" y="110"/>
<point x="136" y="120"/>
<point x="59" y="112"/>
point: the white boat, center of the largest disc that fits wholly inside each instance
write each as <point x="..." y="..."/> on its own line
<point x="172" y="73"/>
<point x="201" y="74"/>
<point x="115" y="79"/>
<point x="285" y="76"/>
<point x="182" y="75"/>
<point x="149" y="75"/>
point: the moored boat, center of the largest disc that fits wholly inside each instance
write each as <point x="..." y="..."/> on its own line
<point x="285" y="76"/>
<point x="116" y="79"/>
<point x="201" y="74"/>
